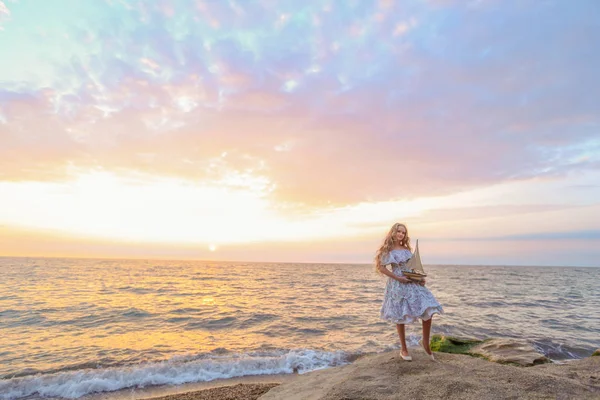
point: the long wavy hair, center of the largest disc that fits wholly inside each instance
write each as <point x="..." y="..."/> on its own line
<point x="389" y="242"/>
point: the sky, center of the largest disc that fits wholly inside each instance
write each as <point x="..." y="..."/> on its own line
<point x="300" y="131"/>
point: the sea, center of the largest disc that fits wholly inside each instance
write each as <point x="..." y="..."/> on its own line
<point x="72" y="328"/>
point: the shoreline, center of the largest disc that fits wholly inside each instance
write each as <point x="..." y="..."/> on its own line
<point x="250" y="386"/>
<point x="245" y="386"/>
<point x="184" y="391"/>
<point x="457" y="376"/>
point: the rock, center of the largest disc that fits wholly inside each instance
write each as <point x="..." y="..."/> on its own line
<point x="458" y="340"/>
<point x="504" y="351"/>
<point x="452" y="344"/>
<point x="385" y="376"/>
<point x="509" y="351"/>
<point x="596" y="353"/>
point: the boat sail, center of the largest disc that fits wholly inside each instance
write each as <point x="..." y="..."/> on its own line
<point x="413" y="268"/>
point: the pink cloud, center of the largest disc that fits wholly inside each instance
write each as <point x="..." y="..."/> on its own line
<point x="3" y="9"/>
<point x="360" y="116"/>
<point x="4" y="14"/>
<point x="347" y="147"/>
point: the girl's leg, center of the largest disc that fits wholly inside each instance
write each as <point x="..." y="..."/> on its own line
<point x="404" y="350"/>
<point x="426" y="332"/>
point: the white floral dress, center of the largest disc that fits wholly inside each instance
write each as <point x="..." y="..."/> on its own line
<point x="405" y="303"/>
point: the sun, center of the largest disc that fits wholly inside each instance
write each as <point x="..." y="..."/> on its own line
<point x="212" y="247"/>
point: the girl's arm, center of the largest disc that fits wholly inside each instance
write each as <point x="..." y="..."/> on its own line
<point x="389" y="273"/>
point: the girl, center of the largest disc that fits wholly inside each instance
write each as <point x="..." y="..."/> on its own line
<point x="404" y="301"/>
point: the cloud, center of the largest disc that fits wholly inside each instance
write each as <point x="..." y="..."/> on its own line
<point x="4" y="14"/>
<point x="459" y="96"/>
<point x="492" y="211"/>
<point x="566" y="235"/>
<point x="3" y="9"/>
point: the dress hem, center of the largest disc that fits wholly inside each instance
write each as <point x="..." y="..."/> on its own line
<point x="409" y="319"/>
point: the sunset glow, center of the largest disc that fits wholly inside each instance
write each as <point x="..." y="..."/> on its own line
<point x="300" y="131"/>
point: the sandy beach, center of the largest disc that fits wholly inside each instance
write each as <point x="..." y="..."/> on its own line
<point x="451" y="376"/>
<point x="249" y="391"/>
<point x="245" y="387"/>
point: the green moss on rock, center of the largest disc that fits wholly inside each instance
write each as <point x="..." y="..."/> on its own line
<point x="502" y="351"/>
<point x="596" y="353"/>
<point x="451" y="344"/>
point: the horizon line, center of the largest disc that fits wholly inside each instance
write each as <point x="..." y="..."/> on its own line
<point x="301" y="262"/>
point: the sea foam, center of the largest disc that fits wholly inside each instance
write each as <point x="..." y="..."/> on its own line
<point x="74" y="384"/>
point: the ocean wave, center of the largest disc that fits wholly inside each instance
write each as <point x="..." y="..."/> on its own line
<point x="186" y="311"/>
<point x="133" y="312"/>
<point x="74" y="384"/>
<point x="212" y="324"/>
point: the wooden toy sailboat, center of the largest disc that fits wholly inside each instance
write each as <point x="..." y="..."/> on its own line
<point x="413" y="269"/>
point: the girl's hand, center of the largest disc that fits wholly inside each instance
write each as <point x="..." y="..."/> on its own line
<point x="403" y="279"/>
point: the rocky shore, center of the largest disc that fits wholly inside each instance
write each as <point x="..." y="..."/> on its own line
<point x="491" y="369"/>
<point x="451" y="376"/>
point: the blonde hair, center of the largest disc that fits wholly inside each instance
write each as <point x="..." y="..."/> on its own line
<point x="389" y="242"/>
